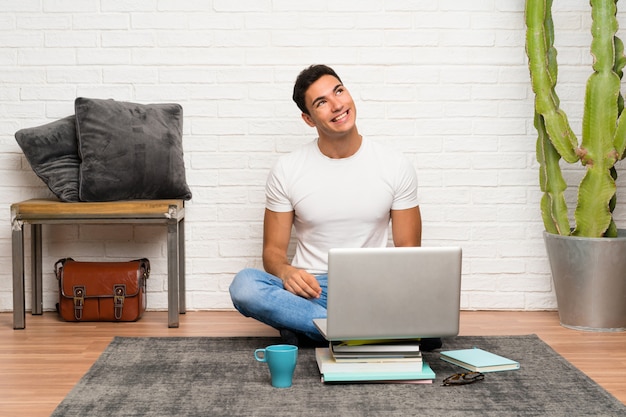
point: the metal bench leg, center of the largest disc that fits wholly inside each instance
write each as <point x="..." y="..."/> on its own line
<point x="19" y="308"/>
<point x="182" y="299"/>
<point x="172" y="273"/>
<point x="36" y="271"/>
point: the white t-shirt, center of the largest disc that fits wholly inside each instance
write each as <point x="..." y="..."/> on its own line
<point x="340" y="202"/>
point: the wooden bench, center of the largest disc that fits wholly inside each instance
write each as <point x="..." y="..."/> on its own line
<point x="170" y="213"/>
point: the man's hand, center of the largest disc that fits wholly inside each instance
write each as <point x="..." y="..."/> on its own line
<point x="276" y="236"/>
<point x="300" y="282"/>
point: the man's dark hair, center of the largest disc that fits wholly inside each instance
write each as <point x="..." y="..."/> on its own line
<point x="307" y="77"/>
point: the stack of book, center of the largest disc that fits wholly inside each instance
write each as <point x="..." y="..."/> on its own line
<point x="373" y="362"/>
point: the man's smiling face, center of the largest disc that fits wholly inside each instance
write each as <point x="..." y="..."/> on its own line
<point x="331" y="107"/>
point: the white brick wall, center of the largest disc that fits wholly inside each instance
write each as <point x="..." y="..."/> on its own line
<point x="444" y="81"/>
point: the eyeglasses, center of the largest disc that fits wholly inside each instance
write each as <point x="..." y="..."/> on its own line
<point x="463" y="379"/>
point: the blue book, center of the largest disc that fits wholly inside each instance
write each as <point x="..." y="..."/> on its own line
<point x="333" y="371"/>
<point x="479" y="360"/>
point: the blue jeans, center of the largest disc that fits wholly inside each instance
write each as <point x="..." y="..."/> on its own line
<point x="260" y="295"/>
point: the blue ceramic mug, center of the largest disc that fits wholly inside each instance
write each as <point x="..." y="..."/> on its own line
<point x="281" y="359"/>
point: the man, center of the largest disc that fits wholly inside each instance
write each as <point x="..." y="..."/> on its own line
<point x="341" y="190"/>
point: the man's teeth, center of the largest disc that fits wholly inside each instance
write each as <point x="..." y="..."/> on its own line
<point x="340" y="117"/>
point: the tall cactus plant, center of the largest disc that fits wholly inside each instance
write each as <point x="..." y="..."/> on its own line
<point x="603" y="129"/>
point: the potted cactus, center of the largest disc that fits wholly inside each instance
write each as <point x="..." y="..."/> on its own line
<point x="588" y="259"/>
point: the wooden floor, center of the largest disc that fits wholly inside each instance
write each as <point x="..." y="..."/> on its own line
<point x="40" y="364"/>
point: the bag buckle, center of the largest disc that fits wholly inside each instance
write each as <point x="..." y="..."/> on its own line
<point x="119" y="293"/>
<point x="79" y="301"/>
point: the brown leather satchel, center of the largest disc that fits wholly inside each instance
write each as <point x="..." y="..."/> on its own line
<point x="102" y="291"/>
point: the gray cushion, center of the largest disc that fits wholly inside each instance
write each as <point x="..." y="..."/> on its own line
<point x="52" y="152"/>
<point x="130" y="151"/>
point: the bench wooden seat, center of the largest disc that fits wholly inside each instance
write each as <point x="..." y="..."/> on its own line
<point x="170" y="213"/>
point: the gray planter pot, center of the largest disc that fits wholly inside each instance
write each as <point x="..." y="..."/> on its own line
<point x="589" y="277"/>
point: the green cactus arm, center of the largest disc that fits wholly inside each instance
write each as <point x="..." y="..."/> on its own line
<point x="600" y="120"/>
<point x="612" y="230"/>
<point x="593" y="214"/>
<point x="603" y="86"/>
<point x="542" y="65"/>
<point x="540" y="33"/>
<point x="620" y="133"/>
<point x="553" y="206"/>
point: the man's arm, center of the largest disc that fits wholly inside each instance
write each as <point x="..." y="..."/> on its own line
<point x="406" y="227"/>
<point x="276" y="236"/>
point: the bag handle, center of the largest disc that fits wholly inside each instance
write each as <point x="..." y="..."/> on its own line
<point x="58" y="266"/>
<point x="145" y="262"/>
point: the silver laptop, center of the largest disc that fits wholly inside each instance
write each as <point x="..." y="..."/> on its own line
<point x="392" y="293"/>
